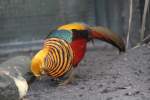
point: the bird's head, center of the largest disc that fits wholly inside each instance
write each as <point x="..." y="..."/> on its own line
<point x="37" y="63"/>
<point x="79" y="30"/>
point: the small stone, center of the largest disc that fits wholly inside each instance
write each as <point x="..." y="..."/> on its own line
<point x="132" y="93"/>
<point x="80" y="95"/>
<point x="100" y="86"/>
<point x="127" y="94"/>
<point x="90" y="89"/>
<point x="82" y="88"/>
<point x="105" y="91"/>
<point x="109" y="98"/>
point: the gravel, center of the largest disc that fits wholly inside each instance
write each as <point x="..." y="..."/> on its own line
<point x="102" y="75"/>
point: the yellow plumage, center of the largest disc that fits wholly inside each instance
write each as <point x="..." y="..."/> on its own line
<point x="37" y="62"/>
<point x="54" y="59"/>
<point x="79" y="26"/>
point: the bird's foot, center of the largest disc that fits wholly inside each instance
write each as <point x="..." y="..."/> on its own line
<point x="69" y="79"/>
<point x="66" y="82"/>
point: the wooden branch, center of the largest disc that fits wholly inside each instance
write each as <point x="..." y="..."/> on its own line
<point x="146" y="40"/>
<point x="129" y="26"/>
<point x="144" y="19"/>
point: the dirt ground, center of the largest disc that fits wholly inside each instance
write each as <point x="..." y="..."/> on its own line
<point x="102" y="75"/>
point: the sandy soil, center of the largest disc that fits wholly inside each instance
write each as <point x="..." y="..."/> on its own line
<point x="102" y="75"/>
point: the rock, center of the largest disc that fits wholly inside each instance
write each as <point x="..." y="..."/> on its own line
<point x="14" y="74"/>
<point x="8" y="88"/>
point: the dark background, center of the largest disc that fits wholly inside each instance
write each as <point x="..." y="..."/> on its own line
<point x="24" y="23"/>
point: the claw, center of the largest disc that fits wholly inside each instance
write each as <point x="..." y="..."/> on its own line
<point x="66" y="82"/>
<point x="69" y="79"/>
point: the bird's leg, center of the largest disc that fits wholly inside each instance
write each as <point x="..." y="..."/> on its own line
<point x="70" y="78"/>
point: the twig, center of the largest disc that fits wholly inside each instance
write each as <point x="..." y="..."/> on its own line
<point x="146" y="39"/>
<point x="129" y="26"/>
<point x="144" y="19"/>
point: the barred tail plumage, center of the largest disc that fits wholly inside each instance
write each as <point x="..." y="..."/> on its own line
<point x="97" y="32"/>
<point x="104" y="34"/>
<point x="59" y="59"/>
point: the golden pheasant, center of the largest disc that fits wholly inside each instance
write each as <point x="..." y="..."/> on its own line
<point x="64" y="48"/>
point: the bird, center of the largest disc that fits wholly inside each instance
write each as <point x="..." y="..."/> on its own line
<point x="64" y="48"/>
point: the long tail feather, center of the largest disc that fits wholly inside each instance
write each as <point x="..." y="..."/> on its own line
<point x="97" y="32"/>
<point x="104" y="34"/>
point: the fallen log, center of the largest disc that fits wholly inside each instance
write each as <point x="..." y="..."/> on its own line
<point x="14" y="78"/>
